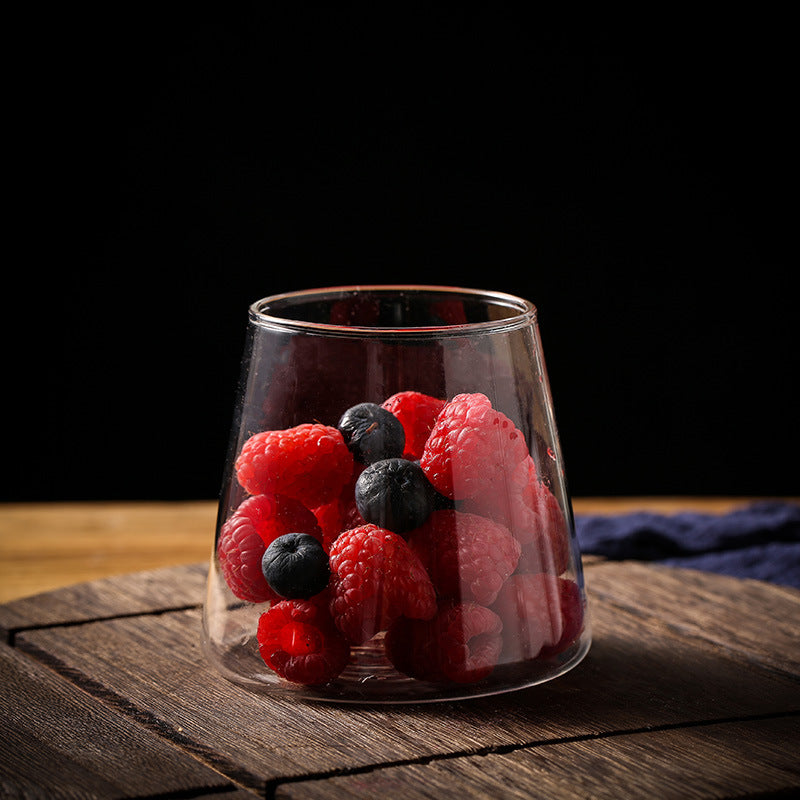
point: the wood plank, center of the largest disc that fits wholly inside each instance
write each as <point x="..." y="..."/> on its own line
<point x="639" y="674"/>
<point x="46" y="546"/>
<point x="708" y="762"/>
<point x="147" y="592"/>
<point x="80" y="747"/>
<point x="756" y="619"/>
<point x="667" y="504"/>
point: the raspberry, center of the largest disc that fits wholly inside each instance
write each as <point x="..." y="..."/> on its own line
<point x="467" y="557"/>
<point x="376" y="578"/>
<point x="340" y="514"/>
<point x="239" y="552"/>
<point x="450" y="312"/>
<point x="246" y="534"/>
<point x="329" y="517"/>
<point x="546" y="542"/>
<point x="309" y="462"/>
<point x="298" y="640"/>
<point x="412" y="648"/>
<point x="508" y="504"/>
<point x="533" y="515"/>
<point x="417" y="413"/>
<point x="469" y="641"/>
<point x="530" y="607"/>
<point x="462" y="644"/>
<point x="471" y="448"/>
<point x="572" y="615"/>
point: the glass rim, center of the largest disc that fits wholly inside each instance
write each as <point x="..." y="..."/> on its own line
<point x="521" y="312"/>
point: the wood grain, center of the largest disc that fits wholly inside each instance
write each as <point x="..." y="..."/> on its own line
<point x="80" y="747"/>
<point x="46" y="546"/>
<point x="696" y="763"/>
<point x="146" y="592"/>
<point x="691" y="688"/>
<point x="641" y="675"/>
<point x="719" y="610"/>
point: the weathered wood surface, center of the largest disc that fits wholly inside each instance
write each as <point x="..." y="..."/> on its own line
<point x="678" y="764"/>
<point x="759" y="620"/>
<point x="165" y="589"/>
<point x="691" y="689"/>
<point x="57" y="740"/>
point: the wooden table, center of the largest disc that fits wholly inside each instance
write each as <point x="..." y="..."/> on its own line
<point x="691" y="688"/>
<point x="49" y="545"/>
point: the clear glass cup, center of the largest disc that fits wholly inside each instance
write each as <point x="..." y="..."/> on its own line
<point x="394" y="524"/>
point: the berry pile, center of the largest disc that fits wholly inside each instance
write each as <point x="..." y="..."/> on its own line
<point x="420" y="519"/>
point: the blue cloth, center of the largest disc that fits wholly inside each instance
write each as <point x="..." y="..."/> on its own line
<point x="761" y="540"/>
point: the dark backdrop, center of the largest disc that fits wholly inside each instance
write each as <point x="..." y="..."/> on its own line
<point x="634" y="178"/>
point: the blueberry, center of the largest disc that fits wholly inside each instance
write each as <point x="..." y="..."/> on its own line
<point x="394" y="494"/>
<point x="372" y="433"/>
<point x="296" y="566"/>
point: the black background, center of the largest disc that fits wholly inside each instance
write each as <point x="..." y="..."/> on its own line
<point x="633" y="177"/>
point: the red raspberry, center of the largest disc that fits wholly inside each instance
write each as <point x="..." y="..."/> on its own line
<point x="336" y="517"/>
<point x="450" y="312"/>
<point x="351" y="516"/>
<point x="471" y="448"/>
<point x="572" y="617"/>
<point x="239" y="552"/>
<point x="533" y="515"/>
<point x="248" y="532"/>
<point x="467" y="557"/>
<point x="310" y="462"/>
<point x="509" y="504"/>
<point x="417" y="413"/>
<point x="462" y="644"/>
<point x="298" y="640"/>
<point x="340" y="514"/>
<point x="469" y="641"/>
<point x="530" y="608"/>
<point x="546" y="542"/>
<point x="375" y="578"/>
<point x="329" y="517"/>
<point x="412" y="647"/>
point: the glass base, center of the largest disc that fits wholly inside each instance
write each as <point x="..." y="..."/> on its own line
<point x="371" y="679"/>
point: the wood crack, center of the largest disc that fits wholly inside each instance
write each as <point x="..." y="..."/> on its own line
<point x="12" y="633"/>
<point x="270" y="786"/>
<point x="147" y="719"/>
<point x="274" y="784"/>
<point x="680" y="674"/>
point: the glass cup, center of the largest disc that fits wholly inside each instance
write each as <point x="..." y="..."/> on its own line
<point x="394" y="524"/>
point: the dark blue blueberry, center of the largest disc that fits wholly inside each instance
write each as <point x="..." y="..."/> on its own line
<point x="296" y="566"/>
<point x="394" y="494"/>
<point x="372" y="433"/>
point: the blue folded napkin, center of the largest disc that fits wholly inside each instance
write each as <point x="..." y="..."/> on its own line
<point x="761" y="540"/>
